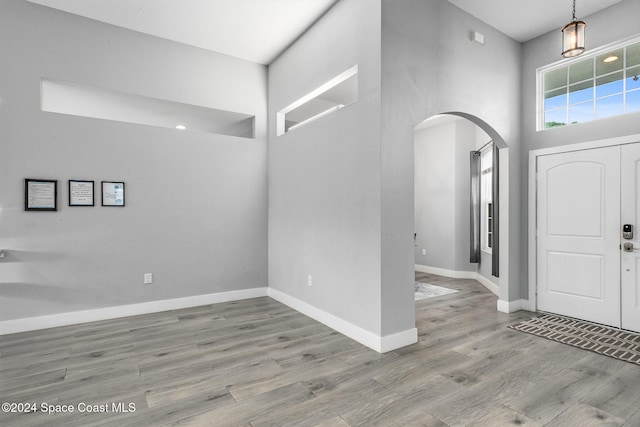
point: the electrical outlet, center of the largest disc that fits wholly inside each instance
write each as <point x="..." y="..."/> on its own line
<point x="424" y="252"/>
<point x="310" y="280"/>
<point x="148" y="278"/>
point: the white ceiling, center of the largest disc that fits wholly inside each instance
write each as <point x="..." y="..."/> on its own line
<point x="259" y="30"/>
<point x="524" y="20"/>
<point x="255" y="30"/>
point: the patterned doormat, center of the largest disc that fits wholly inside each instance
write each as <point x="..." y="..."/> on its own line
<point x="588" y="336"/>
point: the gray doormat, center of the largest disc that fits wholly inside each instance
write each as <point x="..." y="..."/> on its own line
<point x="426" y="290"/>
<point x="601" y="339"/>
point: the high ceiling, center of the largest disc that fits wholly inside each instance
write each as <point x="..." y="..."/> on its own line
<point x="259" y="30"/>
<point x="255" y="30"/>
<point x="523" y="20"/>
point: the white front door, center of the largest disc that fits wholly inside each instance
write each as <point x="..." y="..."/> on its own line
<point x="578" y="234"/>
<point x="630" y="214"/>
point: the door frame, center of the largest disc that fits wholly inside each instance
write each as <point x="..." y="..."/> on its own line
<point x="533" y="200"/>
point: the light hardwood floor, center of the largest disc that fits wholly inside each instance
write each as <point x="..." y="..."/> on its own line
<point x="259" y="363"/>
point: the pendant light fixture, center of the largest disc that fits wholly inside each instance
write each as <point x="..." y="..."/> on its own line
<point x="573" y="36"/>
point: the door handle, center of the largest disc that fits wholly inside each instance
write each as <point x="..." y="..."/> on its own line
<point x="628" y="247"/>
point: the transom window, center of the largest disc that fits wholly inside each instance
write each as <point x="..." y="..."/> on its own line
<point x="603" y="84"/>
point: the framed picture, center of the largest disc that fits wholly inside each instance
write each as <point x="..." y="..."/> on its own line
<point x="40" y="194"/>
<point x="81" y="193"/>
<point x="112" y="193"/>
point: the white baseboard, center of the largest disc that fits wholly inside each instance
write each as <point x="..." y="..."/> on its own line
<point x="495" y="289"/>
<point x="512" y="306"/>
<point x="454" y="274"/>
<point x="488" y="284"/>
<point x="381" y="344"/>
<point x="76" y="317"/>
<point x="398" y="340"/>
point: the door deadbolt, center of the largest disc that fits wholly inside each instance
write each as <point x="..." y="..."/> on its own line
<point x="627" y="231"/>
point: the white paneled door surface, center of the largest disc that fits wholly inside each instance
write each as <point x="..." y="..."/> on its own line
<point x="586" y="268"/>
<point x="630" y="214"/>
<point x="578" y="243"/>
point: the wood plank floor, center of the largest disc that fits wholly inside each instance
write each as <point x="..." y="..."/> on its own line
<point x="259" y="363"/>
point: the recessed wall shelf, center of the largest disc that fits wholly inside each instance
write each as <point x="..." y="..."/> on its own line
<point x="337" y="93"/>
<point x="87" y="101"/>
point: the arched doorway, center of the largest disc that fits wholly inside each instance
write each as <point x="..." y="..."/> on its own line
<point x="442" y="208"/>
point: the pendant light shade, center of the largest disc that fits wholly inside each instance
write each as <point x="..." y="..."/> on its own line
<point x="573" y="36"/>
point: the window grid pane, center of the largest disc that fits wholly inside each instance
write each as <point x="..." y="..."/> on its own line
<point x="581" y="92"/>
<point x="609" y="106"/>
<point x="555" y="118"/>
<point x="602" y="86"/>
<point x="633" y="55"/>
<point x="609" y="85"/>
<point x="580" y="113"/>
<point x="633" y="101"/>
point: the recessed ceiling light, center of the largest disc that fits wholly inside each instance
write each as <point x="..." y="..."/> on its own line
<point x="181" y="127"/>
<point x="611" y="58"/>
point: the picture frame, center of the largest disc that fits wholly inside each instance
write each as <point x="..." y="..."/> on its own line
<point x="81" y="193"/>
<point x="113" y="193"/>
<point x="40" y="194"/>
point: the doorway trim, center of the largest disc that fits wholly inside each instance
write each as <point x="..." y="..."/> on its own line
<point x="533" y="200"/>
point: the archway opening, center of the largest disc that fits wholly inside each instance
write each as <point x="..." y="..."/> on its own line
<point x="443" y="206"/>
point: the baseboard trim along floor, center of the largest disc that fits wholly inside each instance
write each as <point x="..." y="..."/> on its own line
<point x="512" y="306"/>
<point x="454" y="274"/>
<point x="381" y="344"/>
<point x="93" y="315"/>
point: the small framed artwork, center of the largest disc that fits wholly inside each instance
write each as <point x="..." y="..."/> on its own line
<point x="81" y="193"/>
<point x="113" y="193"/>
<point x="40" y="194"/>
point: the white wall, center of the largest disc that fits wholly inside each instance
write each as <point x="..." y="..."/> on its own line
<point x="324" y="177"/>
<point x="613" y="24"/>
<point x="441" y="165"/>
<point x="435" y="196"/>
<point x="341" y="189"/>
<point x="196" y="203"/>
<point x="430" y="66"/>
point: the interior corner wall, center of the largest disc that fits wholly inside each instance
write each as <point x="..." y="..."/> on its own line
<point x="431" y="66"/>
<point x="324" y="177"/>
<point x="196" y="203"/>
<point x="613" y="24"/>
<point x="442" y="195"/>
<point x="435" y="194"/>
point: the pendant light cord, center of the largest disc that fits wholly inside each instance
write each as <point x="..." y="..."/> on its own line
<point x="574" y="10"/>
